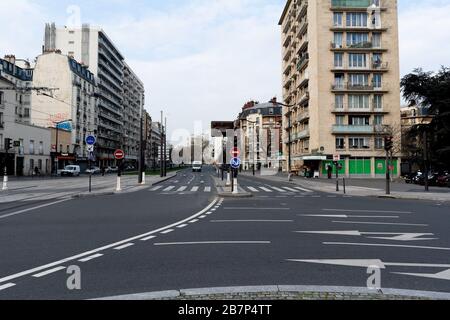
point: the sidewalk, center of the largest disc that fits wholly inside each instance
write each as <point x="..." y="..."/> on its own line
<point x="365" y="187"/>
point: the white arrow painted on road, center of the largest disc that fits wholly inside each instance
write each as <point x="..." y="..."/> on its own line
<point x="398" y="236"/>
<point x="445" y="275"/>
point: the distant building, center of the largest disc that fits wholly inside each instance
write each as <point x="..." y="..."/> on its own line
<point x="32" y="144"/>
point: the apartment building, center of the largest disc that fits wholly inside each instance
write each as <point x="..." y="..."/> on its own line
<point x="94" y="49"/>
<point x="342" y="84"/>
<point x="260" y="127"/>
<point x="73" y="103"/>
<point x="31" y="144"/>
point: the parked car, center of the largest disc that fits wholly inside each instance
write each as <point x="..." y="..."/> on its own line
<point x="410" y="178"/>
<point x="443" y="179"/>
<point x="112" y="170"/>
<point x="432" y="179"/>
<point x="71" y="171"/>
<point x="93" y="170"/>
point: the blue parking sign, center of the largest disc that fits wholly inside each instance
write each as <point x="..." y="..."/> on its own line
<point x="235" y="163"/>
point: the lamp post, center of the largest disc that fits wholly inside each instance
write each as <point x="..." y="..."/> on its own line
<point x="57" y="124"/>
<point x="290" y="130"/>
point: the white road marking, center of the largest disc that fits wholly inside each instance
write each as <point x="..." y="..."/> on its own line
<point x="181" y="189"/>
<point x="265" y="189"/>
<point x="398" y="236"/>
<point x="278" y="189"/>
<point x="202" y="217"/>
<point x="344" y="216"/>
<point x="445" y="275"/>
<point x="167" y="231"/>
<point x="275" y="221"/>
<point x="211" y="242"/>
<point x="251" y="208"/>
<point x="384" y="245"/>
<point x="124" y="246"/>
<point x="148" y="238"/>
<point x="382" y="223"/>
<point x="207" y="189"/>
<point x="95" y="256"/>
<point x="169" y="188"/>
<point x="367" y="211"/>
<point x="156" y="188"/>
<point x="31" y="209"/>
<point x="303" y="189"/>
<point x="365" y="263"/>
<point x="43" y="274"/>
<point x="7" y="286"/>
<point x="182" y="226"/>
<point x="194" y="221"/>
<point x="194" y="189"/>
<point x="252" y="189"/>
<point x="364" y="188"/>
<point x="62" y="261"/>
<point x="290" y="189"/>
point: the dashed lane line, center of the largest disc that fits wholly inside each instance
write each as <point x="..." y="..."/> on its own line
<point x="148" y="238"/>
<point x="48" y="272"/>
<point x="167" y="231"/>
<point x="7" y="286"/>
<point x="95" y="256"/>
<point x="124" y="246"/>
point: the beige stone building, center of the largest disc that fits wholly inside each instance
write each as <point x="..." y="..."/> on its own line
<point x="341" y="77"/>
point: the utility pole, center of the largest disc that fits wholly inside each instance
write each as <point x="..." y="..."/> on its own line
<point x="141" y="146"/>
<point x="388" y="145"/>
<point x="161" y="145"/>
<point x="425" y="159"/>
<point x="165" y="147"/>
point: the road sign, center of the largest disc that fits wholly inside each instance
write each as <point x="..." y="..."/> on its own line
<point x="235" y="163"/>
<point x="90" y="148"/>
<point x="119" y="154"/>
<point x="336" y="157"/>
<point x="91" y="140"/>
<point x="235" y="152"/>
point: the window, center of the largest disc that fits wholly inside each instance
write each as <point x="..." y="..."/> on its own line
<point x="1" y="97"/>
<point x="379" y="143"/>
<point x="31" y="164"/>
<point x="338" y="60"/>
<point x="338" y="39"/>
<point x="377" y="59"/>
<point x="338" y="19"/>
<point x="26" y="112"/>
<point x="31" y="150"/>
<point x="340" y="143"/>
<point x="358" y="102"/>
<point x="41" y="148"/>
<point x="340" y="120"/>
<point x="359" y="120"/>
<point x="376" y="40"/>
<point x="377" y="81"/>
<point x="71" y="42"/>
<point x="1" y="141"/>
<point x="339" y="81"/>
<point x="359" y="143"/>
<point x="356" y="19"/>
<point x="1" y="120"/>
<point x="357" y="60"/>
<point x="378" y="102"/>
<point x="357" y="38"/>
<point x="339" y="101"/>
<point x="359" y="79"/>
<point x="378" y="120"/>
<point x="40" y="164"/>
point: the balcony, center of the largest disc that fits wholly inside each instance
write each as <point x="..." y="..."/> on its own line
<point x="301" y="135"/>
<point x="362" y="46"/>
<point x="369" y="110"/>
<point x="348" y="129"/>
<point x="357" y="87"/>
<point x="303" y="116"/>
<point x="302" y="62"/>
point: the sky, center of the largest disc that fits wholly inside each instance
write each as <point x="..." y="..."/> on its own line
<point x="201" y="60"/>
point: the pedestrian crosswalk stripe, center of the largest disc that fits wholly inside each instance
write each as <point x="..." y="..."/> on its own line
<point x="195" y="189"/>
<point x="278" y="189"/>
<point x="169" y="188"/>
<point x="156" y="188"/>
<point x="302" y="189"/>
<point x="253" y="189"/>
<point x="182" y="189"/>
<point x="265" y="189"/>
<point x="207" y="189"/>
<point x="290" y="189"/>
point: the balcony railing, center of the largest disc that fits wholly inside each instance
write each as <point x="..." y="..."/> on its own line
<point x="302" y="61"/>
<point x="343" y="129"/>
<point x="350" y="3"/>
<point x="344" y="108"/>
<point x="361" y="45"/>
<point x="303" y="116"/>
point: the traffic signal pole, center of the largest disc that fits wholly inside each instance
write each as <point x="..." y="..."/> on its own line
<point x="8" y="145"/>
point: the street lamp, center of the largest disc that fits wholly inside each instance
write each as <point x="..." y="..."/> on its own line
<point x="57" y="124"/>
<point x="290" y="130"/>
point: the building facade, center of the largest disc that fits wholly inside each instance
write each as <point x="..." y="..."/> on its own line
<point x="260" y="135"/>
<point x="31" y="144"/>
<point x="156" y="138"/>
<point x="341" y="81"/>
<point x="73" y="101"/>
<point x="93" y="48"/>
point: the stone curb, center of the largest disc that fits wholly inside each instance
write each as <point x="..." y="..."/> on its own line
<point x="166" y="179"/>
<point x="280" y="289"/>
<point x="92" y="195"/>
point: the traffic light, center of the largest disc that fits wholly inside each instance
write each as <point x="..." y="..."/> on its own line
<point x="8" y="144"/>
<point x="388" y="143"/>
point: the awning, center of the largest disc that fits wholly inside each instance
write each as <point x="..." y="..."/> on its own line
<point x="314" y="158"/>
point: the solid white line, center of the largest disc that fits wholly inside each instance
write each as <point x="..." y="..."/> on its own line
<point x="34" y="208"/>
<point x="124" y="246"/>
<point x="224" y="221"/>
<point x="167" y="231"/>
<point x="382" y="223"/>
<point x="211" y="242"/>
<point x="250" y="208"/>
<point x="6" y="286"/>
<point x="194" y="189"/>
<point x="95" y="256"/>
<point x="365" y="211"/>
<point x="344" y="216"/>
<point x="169" y="188"/>
<point x="156" y="188"/>
<point x="43" y="274"/>
<point x="182" y="226"/>
<point x="384" y="245"/>
<point x="56" y="263"/>
<point x="148" y="238"/>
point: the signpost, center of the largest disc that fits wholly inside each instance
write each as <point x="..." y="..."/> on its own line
<point x="235" y="165"/>
<point x="119" y="155"/>
<point x="90" y="141"/>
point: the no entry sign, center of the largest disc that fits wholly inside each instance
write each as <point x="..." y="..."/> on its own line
<point x="235" y="152"/>
<point x="119" y="154"/>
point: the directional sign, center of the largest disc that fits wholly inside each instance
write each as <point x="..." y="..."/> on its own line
<point x="235" y="163"/>
<point x="235" y="152"/>
<point x="91" y="140"/>
<point x="119" y="154"/>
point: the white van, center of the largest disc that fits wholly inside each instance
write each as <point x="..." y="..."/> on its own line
<point x="71" y="171"/>
<point x="197" y="166"/>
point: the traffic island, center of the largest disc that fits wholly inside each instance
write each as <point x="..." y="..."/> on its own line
<point x="225" y="192"/>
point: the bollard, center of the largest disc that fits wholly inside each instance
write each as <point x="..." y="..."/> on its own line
<point x="119" y="187"/>
<point x="143" y="178"/>
<point x="235" y="184"/>
<point x="228" y="179"/>
<point x="337" y="185"/>
<point x="345" y="188"/>
<point x="5" y="183"/>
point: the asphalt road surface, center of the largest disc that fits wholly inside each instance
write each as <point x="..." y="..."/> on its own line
<point x="180" y="234"/>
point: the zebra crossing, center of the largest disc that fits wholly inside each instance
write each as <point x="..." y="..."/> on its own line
<point x="262" y="189"/>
